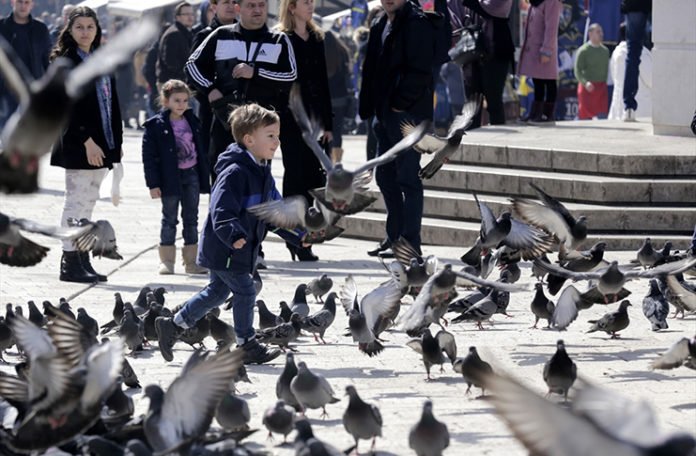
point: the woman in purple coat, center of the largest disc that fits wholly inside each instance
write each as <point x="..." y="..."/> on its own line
<point x="539" y="57"/>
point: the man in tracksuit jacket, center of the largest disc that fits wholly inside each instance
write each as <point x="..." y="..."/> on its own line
<point x="227" y="68"/>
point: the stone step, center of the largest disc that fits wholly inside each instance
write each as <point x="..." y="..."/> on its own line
<point x="601" y="218"/>
<point x="564" y="186"/>
<point x="370" y="225"/>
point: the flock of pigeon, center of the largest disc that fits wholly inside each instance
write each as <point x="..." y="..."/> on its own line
<point x="71" y="371"/>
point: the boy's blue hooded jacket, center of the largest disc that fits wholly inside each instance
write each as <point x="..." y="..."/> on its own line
<point x="241" y="183"/>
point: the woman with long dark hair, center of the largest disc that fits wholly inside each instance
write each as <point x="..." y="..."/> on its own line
<point x="302" y="169"/>
<point x="91" y="143"/>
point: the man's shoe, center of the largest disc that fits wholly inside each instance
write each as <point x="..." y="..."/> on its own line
<point x="167" y="335"/>
<point x="389" y="253"/>
<point x="629" y="115"/>
<point x="255" y="353"/>
<point x="384" y="245"/>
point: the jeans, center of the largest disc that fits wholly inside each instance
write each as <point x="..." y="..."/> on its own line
<point x="215" y="293"/>
<point x="398" y="181"/>
<point x="189" y="197"/>
<point x="81" y="195"/>
<point x="635" y="36"/>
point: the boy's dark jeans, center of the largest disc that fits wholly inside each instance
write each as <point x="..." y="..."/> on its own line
<point x="189" y="198"/>
<point x="223" y="282"/>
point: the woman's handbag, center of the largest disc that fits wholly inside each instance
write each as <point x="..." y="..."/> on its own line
<point x="471" y="46"/>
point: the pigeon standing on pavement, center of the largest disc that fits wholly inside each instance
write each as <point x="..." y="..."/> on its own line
<point x="319" y="322"/>
<point x="283" y="334"/>
<point x="431" y="348"/>
<point x="542" y="307"/>
<point x="319" y="287"/>
<point x="473" y="368"/>
<point x="560" y="371"/>
<point x="222" y="332"/>
<point x="299" y="301"/>
<point x="267" y="319"/>
<point x="279" y="419"/>
<point x="312" y="390"/>
<point x="655" y="307"/>
<point x="361" y="420"/>
<point x="87" y="322"/>
<point x="612" y="322"/>
<point x="131" y="330"/>
<point x="6" y="338"/>
<point x="681" y="353"/>
<point x="283" y="391"/>
<point x="232" y="413"/>
<point x="35" y="315"/>
<point x="428" y="437"/>
<point x="306" y="444"/>
<point x="285" y="311"/>
<point x="647" y="256"/>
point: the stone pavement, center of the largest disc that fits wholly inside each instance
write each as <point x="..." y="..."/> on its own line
<point x="395" y="379"/>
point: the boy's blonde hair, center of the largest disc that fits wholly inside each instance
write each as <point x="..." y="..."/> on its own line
<point x="248" y="118"/>
<point x="171" y="87"/>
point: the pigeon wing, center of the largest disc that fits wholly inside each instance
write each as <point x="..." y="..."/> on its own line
<point x="566" y="308"/>
<point x="462" y="121"/>
<point x="27" y="253"/>
<point x="488" y="220"/>
<point x="428" y="144"/>
<point x="530" y="241"/>
<point x="406" y="142"/>
<point x="557" y="270"/>
<point x="447" y="343"/>
<point x="348" y="294"/>
<point x="502" y="286"/>
<point x="674" y="357"/>
<point x="308" y="128"/>
<point x="14" y="72"/>
<point x="51" y="231"/>
<point x="380" y="302"/>
<point x="542" y="217"/>
<point x="107" y="58"/>
<point x="672" y="268"/>
<point x="285" y="213"/>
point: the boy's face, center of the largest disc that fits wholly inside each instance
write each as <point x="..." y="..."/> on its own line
<point x="263" y="142"/>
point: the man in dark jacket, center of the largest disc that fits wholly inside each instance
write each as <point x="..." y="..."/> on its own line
<point x="243" y="62"/>
<point x="225" y="14"/>
<point x="31" y="41"/>
<point x="397" y="87"/>
<point x="637" y="15"/>
<point x="175" y="44"/>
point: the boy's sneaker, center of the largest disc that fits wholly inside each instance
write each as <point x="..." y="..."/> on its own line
<point x="255" y="353"/>
<point x="629" y="115"/>
<point x="167" y="335"/>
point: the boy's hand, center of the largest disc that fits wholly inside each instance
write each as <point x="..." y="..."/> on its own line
<point x="239" y="243"/>
<point x="155" y="193"/>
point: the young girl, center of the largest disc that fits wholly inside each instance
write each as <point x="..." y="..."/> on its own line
<point x="302" y="169"/>
<point x="539" y="57"/>
<point x="90" y="144"/>
<point x="176" y="170"/>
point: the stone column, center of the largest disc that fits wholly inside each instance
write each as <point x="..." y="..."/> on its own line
<point x="674" y="66"/>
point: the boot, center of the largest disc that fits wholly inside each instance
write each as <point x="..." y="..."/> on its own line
<point x="71" y="269"/>
<point x="548" y="115"/>
<point x="167" y="254"/>
<point x="535" y="113"/>
<point x="188" y="255"/>
<point x="336" y="154"/>
<point x="87" y="266"/>
<point x="302" y="253"/>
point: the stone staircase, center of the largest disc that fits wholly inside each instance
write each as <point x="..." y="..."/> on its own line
<point x="629" y="183"/>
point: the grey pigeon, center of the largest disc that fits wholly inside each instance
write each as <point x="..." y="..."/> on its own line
<point x="542" y="307"/>
<point x="195" y="335"/>
<point x="45" y="105"/>
<point x="612" y="322"/>
<point x="17" y="250"/>
<point x="681" y="353"/>
<point x="319" y="287"/>
<point x="553" y="217"/>
<point x="571" y="301"/>
<point x="306" y="444"/>
<point x="445" y="147"/>
<point x="655" y="307"/>
<point x="267" y="319"/>
<point x="292" y="212"/>
<point x="279" y="419"/>
<point x="482" y="311"/>
<point x="538" y="273"/>
<point x="185" y="411"/>
<point x="299" y="301"/>
<point x="344" y="191"/>
<point x="428" y="437"/>
<point x="312" y="390"/>
<point x="598" y="422"/>
<point x="232" y="413"/>
<point x="35" y="315"/>
<point x="319" y="322"/>
<point x="431" y="348"/>
<point x="6" y="338"/>
<point x="560" y="371"/>
<point x="647" y="256"/>
<point x="612" y="278"/>
<point x="285" y="311"/>
<point x="120" y="407"/>
<point x="130" y="378"/>
<point x="678" y="293"/>
<point x="101" y="240"/>
<point x="222" y="332"/>
<point x="149" y="318"/>
<point x="131" y="330"/>
<point x="116" y="314"/>
<point x="361" y="420"/>
<point x="505" y="230"/>
<point x="473" y="369"/>
<point x="584" y="262"/>
<point x="283" y="391"/>
<point x="87" y="322"/>
<point x="418" y="269"/>
<point x="283" y="334"/>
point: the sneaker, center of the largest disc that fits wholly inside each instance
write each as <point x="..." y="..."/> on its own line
<point x="167" y="335"/>
<point x="629" y="115"/>
<point x="255" y="353"/>
<point x="384" y="245"/>
<point x="389" y="253"/>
